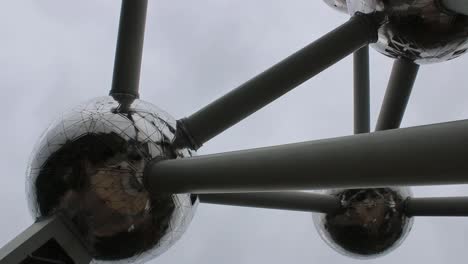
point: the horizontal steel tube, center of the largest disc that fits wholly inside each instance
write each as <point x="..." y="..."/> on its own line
<point x="278" y="80"/>
<point x="294" y="201"/>
<point x="456" y="6"/>
<point x="425" y="155"/>
<point x="437" y="206"/>
<point x="400" y="85"/>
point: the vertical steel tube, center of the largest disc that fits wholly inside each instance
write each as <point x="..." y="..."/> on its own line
<point x="278" y="80"/>
<point x="294" y="201"/>
<point x="396" y="98"/>
<point x="437" y="206"/>
<point x="361" y="91"/>
<point x="128" y="54"/>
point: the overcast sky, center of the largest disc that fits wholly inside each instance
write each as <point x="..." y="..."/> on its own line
<point x="57" y="53"/>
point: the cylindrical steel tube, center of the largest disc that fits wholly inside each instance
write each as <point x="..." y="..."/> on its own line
<point x="361" y="91"/>
<point x="128" y="54"/>
<point x="279" y="79"/>
<point x="295" y="201"/>
<point x="437" y="206"/>
<point x="425" y="155"/>
<point x="398" y="92"/>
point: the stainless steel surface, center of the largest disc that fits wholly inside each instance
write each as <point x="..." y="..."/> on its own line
<point x="425" y="155"/>
<point x="361" y="93"/>
<point x="268" y="86"/>
<point x="89" y="166"/>
<point x="129" y="50"/>
<point x="339" y="5"/>
<point x="418" y="30"/>
<point x="437" y="206"/>
<point x="400" y="85"/>
<point x="371" y="222"/>
<point x="294" y="201"/>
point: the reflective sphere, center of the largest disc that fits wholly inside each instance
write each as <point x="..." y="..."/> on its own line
<point x="418" y="30"/>
<point x="89" y="166"/>
<point x="339" y="5"/>
<point x="371" y="222"/>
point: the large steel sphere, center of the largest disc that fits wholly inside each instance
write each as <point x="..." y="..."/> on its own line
<point x="339" y="5"/>
<point x="370" y="223"/>
<point x="89" y="166"/>
<point x="418" y="30"/>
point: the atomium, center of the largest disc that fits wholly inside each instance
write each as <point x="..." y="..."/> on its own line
<point x="114" y="180"/>
<point x="418" y="30"/>
<point x="89" y="165"/>
<point x="371" y="222"/>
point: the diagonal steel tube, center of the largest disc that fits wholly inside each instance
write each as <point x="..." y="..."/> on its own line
<point x="424" y="155"/>
<point x="294" y="201"/>
<point x="437" y="206"/>
<point x="128" y="54"/>
<point x="361" y="91"/>
<point x="396" y="98"/>
<point x="301" y="201"/>
<point x="251" y="96"/>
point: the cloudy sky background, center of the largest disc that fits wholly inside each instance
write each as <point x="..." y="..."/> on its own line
<point x="57" y="53"/>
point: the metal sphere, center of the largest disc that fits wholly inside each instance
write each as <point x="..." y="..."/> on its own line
<point x="418" y="30"/>
<point x="89" y="166"/>
<point x="370" y="223"/>
<point x="339" y="5"/>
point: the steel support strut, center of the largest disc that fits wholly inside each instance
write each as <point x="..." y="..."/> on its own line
<point x="424" y="155"/>
<point x="128" y="54"/>
<point x="33" y="244"/>
<point x="294" y="201"/>
<point x="396" y="98"/>
<point x="251" y="96"/>
<point x="361" y="91"/>
<point x="437" y="206"/>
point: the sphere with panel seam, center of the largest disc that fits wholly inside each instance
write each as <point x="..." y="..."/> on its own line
<point x="370" y="223"/>
<point x="419" y="30"/>
<point x="89" y="166"/>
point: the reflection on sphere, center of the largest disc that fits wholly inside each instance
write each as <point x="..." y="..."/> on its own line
<point x="418" y="30"/>
<point x="370" y="223"/>
<point x="89" y="166"/>
<point x="339" y="5"/>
